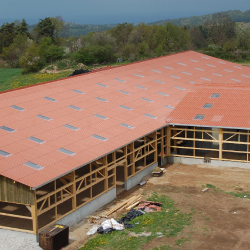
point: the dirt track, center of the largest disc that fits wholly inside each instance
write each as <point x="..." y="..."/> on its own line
<point x="220" y="220"/>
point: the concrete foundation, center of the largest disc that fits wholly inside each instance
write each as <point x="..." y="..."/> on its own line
<point x="214" y="163"/>
<point x="132" y="181"/>
<point x="164" y="161"/>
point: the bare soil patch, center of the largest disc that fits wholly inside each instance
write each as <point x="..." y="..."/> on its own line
<point x="219" y="221"/>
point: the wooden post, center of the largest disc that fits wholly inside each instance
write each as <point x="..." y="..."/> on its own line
<point x="34" y="215"/>
<point x="220" y="143"/>
<point x="105" y="163"/>
<point x="168" y="140"/>
<point x="126" y="164"/>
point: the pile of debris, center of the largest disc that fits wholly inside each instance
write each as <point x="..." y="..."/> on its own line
<point x="108" y="225"/>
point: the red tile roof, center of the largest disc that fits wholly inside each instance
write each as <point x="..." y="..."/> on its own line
<point x="153" y="87"/>
<point x="230" y="110"/>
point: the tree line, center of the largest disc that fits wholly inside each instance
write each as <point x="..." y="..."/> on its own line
<point x="48" y="42"/>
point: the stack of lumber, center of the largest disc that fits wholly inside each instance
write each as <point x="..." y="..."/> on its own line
<point x="128" y="204"/>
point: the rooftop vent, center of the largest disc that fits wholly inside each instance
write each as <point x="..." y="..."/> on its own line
<point x="36" y="140"/>
<point x="199" y="117"/>
<point x="159" y="81"/>
<point x="5" y="154"/>
<point x="100" y="116"/>
<point x="66" y="151"/>
<point x="150" y="116"/>
<point x="127" y="126"/>
<point x="215" y="95"/>
<point x="71" y="127"/>
<point x="125" y="107"/>
<point x="17" y="108"/>
<point x="33" y="165"/>
<point x="78" y="91"/>
<point x="74" y="107"/>
<point x="7" y="129"/>
<point x="44" y="117"/>
<point x="207" y="105"/>
<point x="50" y="99"/>
<point x="100" y="137"/>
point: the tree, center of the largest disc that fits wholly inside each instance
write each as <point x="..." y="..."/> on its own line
<point x="221" y="28"/>
<point x="7" y="35"/>
<point x="121" y="33"/>
<point x="46" y="28"/>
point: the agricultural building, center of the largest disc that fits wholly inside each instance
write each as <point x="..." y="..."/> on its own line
<point x="68" y="146"/>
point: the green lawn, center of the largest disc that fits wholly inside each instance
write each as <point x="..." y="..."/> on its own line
<point x="8" y="74"/>
<point x="13" y="79"/>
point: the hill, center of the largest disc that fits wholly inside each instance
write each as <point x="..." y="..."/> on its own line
<point x="236" y="15"/>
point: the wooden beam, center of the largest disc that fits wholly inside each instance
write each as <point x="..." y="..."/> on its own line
<point x="220" y="143"/>
<point x="34" y="216"/>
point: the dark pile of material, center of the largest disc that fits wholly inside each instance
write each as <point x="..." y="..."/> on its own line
<point x="79" y="71"/>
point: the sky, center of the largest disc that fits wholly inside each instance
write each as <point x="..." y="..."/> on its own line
<point x="113" y="11"/>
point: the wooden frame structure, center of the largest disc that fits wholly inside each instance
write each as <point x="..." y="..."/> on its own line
<point x="215" y="143"/>
<point x="27" y="210"/>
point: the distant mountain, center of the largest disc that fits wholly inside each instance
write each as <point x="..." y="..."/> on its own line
<point x="73" y="29"/>
<point x="236" y="15"/>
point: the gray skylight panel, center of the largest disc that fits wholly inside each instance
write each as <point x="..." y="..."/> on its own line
<point x="4" y="153"/>
<point x="193" y="60"/>
<point x="33" y="165"/>
<point x="7" y="129"/>
<point x="221" y="62"/>
<point x="145" y="99"/>
<point x="138" y="75"/>
<point x="210" y="65"/>
<point x="101" y="99"/>
<point x="167" y="106"/>
<point x="191" y="82"/>
<point x="237" y="67"/>
<point x="17" y="108"/>
<point x="228" y="70"/>
<point x="235" y="80"/>
<point x="126" y="125"/>
<point x="44" y="117"/>
<point x="119" y="80"/>
<point x="207" y="105"/>
<point x="36" y="140"/>
<point x="125" y="107"/>
<point x="157" y="71"/>
<point x="177" y="77"/>
<point x="186" y="73"/>
<point x="215" y="95"/>
<point x="216" y="74"/>
<point x="66" y="151"/>
<point x="205" y="79"/>
<point x="74" y="107"/>
<point x="124" y="92"/>
<point x="179" y="88"/>
<point x="99" y="137"/>
<point x="245" y="75"/>
<point x="71" y="127"/>
<point x="199" y="69"/>
<point x="101" y="116"/>
<point x="78" y="91"/>
<point x="141" y="87"/>
<point x="167" y="67"/>
<point x="205" y="57"/>
<point x="102" y="85"/>
<point x="160" y="93"/>
<point x="50" y="99"/>
<point x="199" y="117"/>
<point x="150" y="116"/>
<point x="182" y="64"/>
<point x="159" y="81"/>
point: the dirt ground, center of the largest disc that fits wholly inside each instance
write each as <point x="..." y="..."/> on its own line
<point x="220" y="221"/>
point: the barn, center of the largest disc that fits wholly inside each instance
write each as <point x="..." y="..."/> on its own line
<point x="67" y="147"/>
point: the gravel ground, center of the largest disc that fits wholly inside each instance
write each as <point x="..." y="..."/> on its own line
<point x="11" y="240"/>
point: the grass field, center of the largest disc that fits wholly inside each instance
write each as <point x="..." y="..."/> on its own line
<point x="13" y="79"/>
